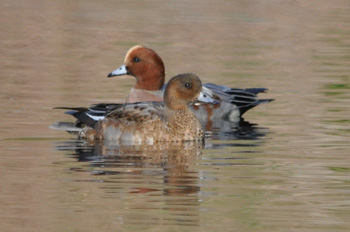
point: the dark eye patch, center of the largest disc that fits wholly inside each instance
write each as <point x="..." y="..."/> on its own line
<point x="136" y="59"/>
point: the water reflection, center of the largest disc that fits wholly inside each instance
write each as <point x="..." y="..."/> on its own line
<point x="229" y="133"/>
<point x="162" y="177"/>
<point x="161" y="171"/>
<point x="58" y="53"/>
<point x="168" y="153"/>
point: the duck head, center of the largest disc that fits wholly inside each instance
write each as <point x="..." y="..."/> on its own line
<point x="145" y="65"/>
<point x="182" y="90"/>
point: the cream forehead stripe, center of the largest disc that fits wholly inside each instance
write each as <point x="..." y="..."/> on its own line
<point x="131" y="50"/>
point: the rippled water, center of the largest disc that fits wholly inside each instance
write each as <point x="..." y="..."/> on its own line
<point x="285" y="169"/>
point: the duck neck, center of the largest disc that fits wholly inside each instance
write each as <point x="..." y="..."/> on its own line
<point x="153" y="80"/>
<point x="174" y="104"/>
<point x="178" y="114"/>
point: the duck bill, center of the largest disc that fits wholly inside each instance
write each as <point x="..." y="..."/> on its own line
<point x="195" y="102"/>
<point x="205" y="97"/>
<point x="119" y="71"/>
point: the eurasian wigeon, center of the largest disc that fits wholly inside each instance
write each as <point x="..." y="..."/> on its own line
<point x="216" y="103"/>
<point x="148" y="68"/>
<point x="148" y="122"/>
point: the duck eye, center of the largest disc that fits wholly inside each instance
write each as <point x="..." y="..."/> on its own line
<point x="188" y="85"/>
<point x="136" y="59"/>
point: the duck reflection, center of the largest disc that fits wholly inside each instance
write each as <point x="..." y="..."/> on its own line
<point x="162" y="173"/>
<point x="174" y="160"/>
<point x="161" y="177"/>
<point x="225" y="134"/>
<point x="166" y="153"/>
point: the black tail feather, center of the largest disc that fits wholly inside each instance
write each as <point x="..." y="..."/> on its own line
<point x="245" y="108"/>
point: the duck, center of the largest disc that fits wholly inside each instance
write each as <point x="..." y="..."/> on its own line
<point x="217" y="101"/>
<point x="148" y="122"/>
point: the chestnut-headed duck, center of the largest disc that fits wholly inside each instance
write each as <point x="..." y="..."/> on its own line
<point x="149" y="122"/>
<point x="215" y="104"/>
<point x="148" y="69"/>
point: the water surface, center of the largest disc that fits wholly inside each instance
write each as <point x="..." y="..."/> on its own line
<point x="286" y="169"/>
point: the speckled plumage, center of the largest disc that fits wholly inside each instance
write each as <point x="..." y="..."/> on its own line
<point x="149" y="122"/>
<point x="217" y="103"/>
<point x="148" y="69"/>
